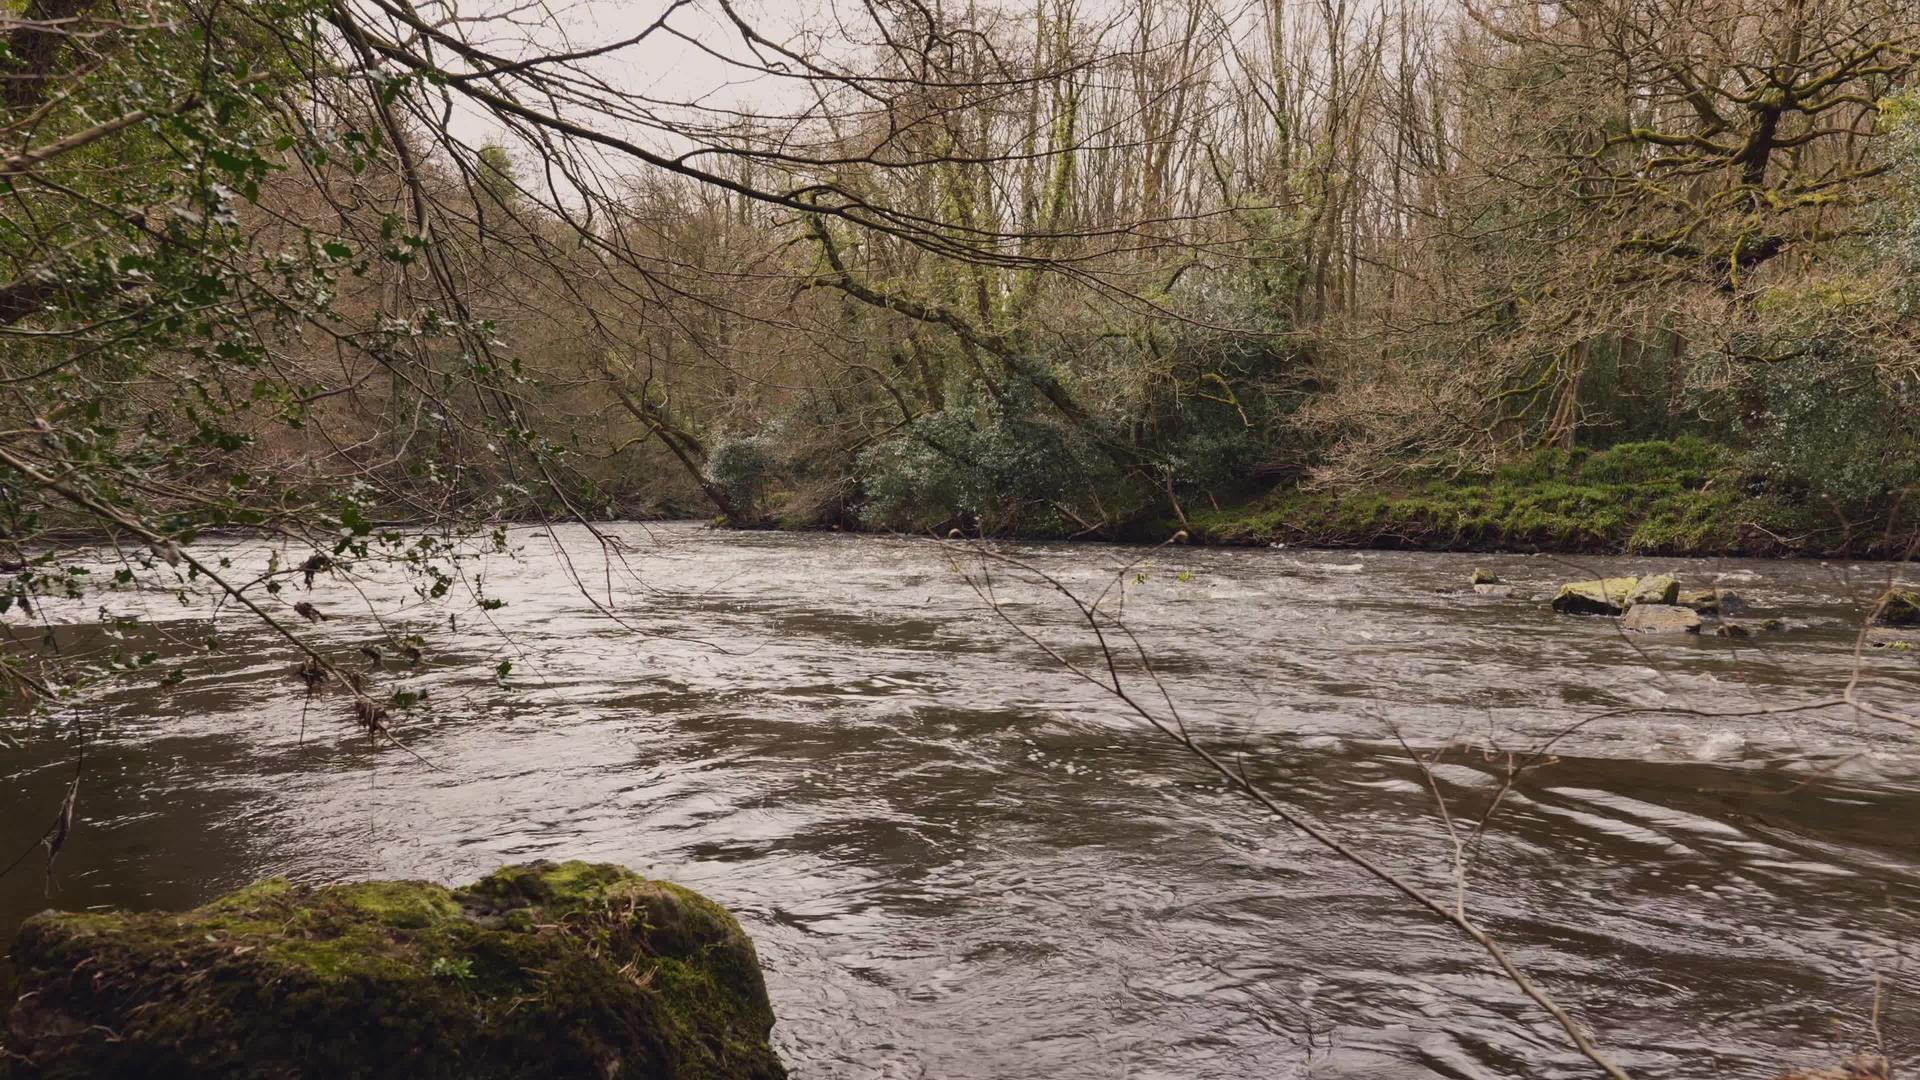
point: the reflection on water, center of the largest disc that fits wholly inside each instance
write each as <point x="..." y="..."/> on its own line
<point x="960" y="863"/>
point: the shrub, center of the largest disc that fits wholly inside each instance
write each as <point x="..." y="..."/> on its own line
<point x="1834" y="432"/>
<point x="995" y="469"/>
<point x="740" y="466"/>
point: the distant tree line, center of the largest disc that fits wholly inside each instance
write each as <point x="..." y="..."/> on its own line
<point x="1056" y="269"/>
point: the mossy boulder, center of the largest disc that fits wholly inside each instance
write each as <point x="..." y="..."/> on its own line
<point x="544" y="969"/>
<point x="1899" y="607"/>
<point x="1606" y="596"/>
<point x="1484" y="576"/>
<point x="1654" y="589"/>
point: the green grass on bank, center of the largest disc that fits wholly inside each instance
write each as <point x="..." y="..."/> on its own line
<point x="1680" y="497"/>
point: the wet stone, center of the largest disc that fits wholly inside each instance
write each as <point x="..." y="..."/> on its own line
<point x="1712" y="601"/>
<point x="1661" y="619"/>
<point x="1606" y="596"/>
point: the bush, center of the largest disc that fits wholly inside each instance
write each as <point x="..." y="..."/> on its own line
<point x="994" y="469"/>
<point x="1834" y="433"/>
<point x="740" y="466"/>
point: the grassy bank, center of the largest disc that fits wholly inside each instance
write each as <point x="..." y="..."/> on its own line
<point x="1684" y="497"/>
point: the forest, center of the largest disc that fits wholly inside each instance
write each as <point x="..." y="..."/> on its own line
<point x="1599" y="275"/>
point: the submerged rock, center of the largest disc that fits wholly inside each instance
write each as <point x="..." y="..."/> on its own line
<point x="1496" y="589"/>
<point x="1732" y="629"/>
<point x="1899" y="640"/>
<point x="1657" y="589"/>
<point x="1712" y="601"/>
<point x="568" y="969"/>
<point x="1859" y="1067"/>
<point x="1661" y="619"/>
<point x="1607" y="596"/>
<point x="1900" y="607"/>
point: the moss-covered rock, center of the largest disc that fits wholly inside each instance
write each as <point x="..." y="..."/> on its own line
<point x="544" y="969"/>
<point x="1900" y="607"/>
<point x="1655" y="589"/>
<point x="1484" y="576"/>
<point x="1607" y="596"/>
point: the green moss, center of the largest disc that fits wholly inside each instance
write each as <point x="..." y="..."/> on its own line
<point x="249" y="897"/>
<point x="1657" y="498"/>
<point x="1684" y="462"/>
<point x="558" y="887"/>
<point x="1604" y="596"/>
<point x="399" y="904"/>
<point x="562" y="969"/>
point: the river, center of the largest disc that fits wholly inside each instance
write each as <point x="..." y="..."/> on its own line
<point x="958" y="861"/>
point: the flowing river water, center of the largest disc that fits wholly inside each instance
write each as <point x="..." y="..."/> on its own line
<point x="958" y="861"/>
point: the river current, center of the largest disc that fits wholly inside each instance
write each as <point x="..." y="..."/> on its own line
<point x="960" y="861"/>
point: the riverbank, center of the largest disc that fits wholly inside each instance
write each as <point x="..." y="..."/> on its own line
<point x="1680" y="498"/>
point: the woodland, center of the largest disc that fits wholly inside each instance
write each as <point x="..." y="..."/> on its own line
<point x="1596" y="275"/>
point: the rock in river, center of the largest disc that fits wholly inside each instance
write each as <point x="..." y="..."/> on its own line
<point x="545" y="969"/>
<point x="1657" y="589"/>
<point x="1899" y="607"/>
<point x="1607" y="596"/>
<point x="1661" y="619"/>
<point x="1712" y="601"/>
